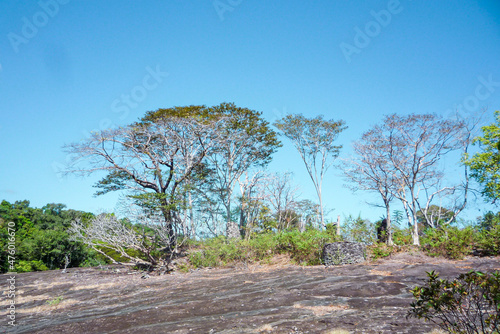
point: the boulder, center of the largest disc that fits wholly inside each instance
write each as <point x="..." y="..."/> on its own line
<point x="338" y="253"/>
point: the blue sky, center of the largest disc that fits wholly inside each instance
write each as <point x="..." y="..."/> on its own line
<point x="68" y="67"/>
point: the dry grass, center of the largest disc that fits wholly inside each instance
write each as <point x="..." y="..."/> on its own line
<point x="276" y="262"/>
<point x="322" y="310"/>
<point x="20" y="299"/>
<point x="437" y="331"/>
<point x="265" y="328"/>
<point x="337" y="331"/>
<point x="380" y="272"/>
<point x="46" y="307"/>
<point x="100" y="286"/>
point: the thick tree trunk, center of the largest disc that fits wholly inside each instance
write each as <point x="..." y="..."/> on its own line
<point x="169" y="226"/>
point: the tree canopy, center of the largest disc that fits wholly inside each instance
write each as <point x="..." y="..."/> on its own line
<point x="171" y="155"/>
<point x="485" y="165"/>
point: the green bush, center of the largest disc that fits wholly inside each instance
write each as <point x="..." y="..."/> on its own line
<point x="306" y="247"/>
<point x="379" y="250"/>
<point x="27" y="266"/>
<point x="468" y="304"/>
<point x="450" y="242"/>
<point x="216" y="252"/>
<point x="402" y="236"/>
<point x="489" y="234"/>
<point x="359" y="230"/>
<point x="303" y="248"/>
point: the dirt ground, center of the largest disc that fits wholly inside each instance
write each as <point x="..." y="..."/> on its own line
<point x="362" y="298"/>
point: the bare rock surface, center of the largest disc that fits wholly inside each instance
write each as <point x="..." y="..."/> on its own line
<point x="359" y="298"/>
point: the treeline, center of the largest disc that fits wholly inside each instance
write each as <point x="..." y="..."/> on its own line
<point x="41" y="237"/>
<point x="44" y="241"/>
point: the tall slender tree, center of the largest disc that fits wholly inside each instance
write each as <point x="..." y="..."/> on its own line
<point x="314" y="139"/>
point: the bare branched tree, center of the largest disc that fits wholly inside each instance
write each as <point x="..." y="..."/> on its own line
<point x="252" y="197"/>
<point x="105" y="231"/>
<point x="283" y="197"/>
<point x="416" y="144"/>
<point x="150" y="160"/>
<point x="370" y="169"/>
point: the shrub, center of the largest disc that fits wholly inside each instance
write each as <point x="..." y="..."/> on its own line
<point x="468" y="304"/>
<point x="379" y="250"/>
<point x="216" y="252"/>
<point x="359" y="230"/>
<point x="303" y="247"/>
<point x="306" y="247"/>
<point x="26" y="266"/>
<point x="489" y="236"/>
<point x="402" y="236"/>
<point x="450" y="242"/>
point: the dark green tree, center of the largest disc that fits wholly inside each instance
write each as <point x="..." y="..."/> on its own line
<point x="485" y="165"/>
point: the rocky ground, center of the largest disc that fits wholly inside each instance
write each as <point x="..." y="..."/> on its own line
<point x="361" y="298"/>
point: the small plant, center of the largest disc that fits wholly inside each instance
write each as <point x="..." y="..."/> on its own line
<point x="55" y="301"/>
<point x="467" y="304"/>
<point x="380" y="250"/>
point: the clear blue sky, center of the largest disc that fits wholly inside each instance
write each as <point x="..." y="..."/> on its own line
<point x="69" y="67"/>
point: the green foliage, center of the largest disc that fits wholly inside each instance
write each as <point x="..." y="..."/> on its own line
<point x="55" y="301"/>
<point x="52" y="247"/>
<point x="359" y="230"/>
<point x="402" y="236"/>
<point x="485" y="165"/>
<point x="27" y="266"/>
<point x="118" y="257"/>
<point x="489" y="233"/>
<point x="306" y="247"/>
<point x="450" y="241"/>
<point x="488" y="221"/>
<point x="467" y="304"/>
<point x="217" y="252"/>
<point x="236" y="119"/>
<point x="40" y="236"/>
<point x="379" y="250"/>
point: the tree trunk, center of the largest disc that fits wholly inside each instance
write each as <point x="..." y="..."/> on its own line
<point x="389" y="229"/>
<point x="321" y="207"/>
<point x="338" y="225"/>
<point x="167" y="214"/>
<point x="416" y="237"/>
